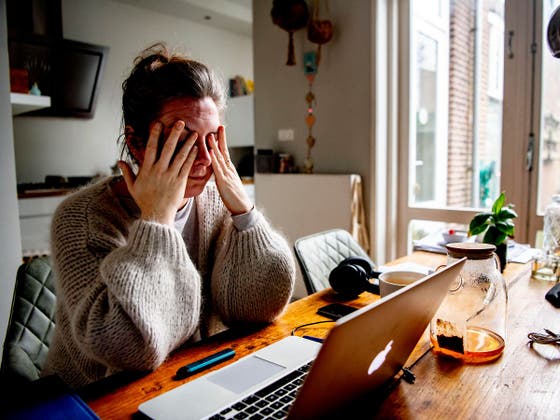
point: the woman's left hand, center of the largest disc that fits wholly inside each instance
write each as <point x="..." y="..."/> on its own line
<point x="228" y="182"/>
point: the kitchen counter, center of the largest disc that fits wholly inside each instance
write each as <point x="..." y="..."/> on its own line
<point x="45" y="192"/>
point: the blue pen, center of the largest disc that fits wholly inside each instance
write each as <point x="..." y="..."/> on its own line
<point x="310" y="337"/>
<point x="204" y="363"/>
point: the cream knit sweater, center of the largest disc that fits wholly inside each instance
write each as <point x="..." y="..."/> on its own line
<point x="128" y="293"/>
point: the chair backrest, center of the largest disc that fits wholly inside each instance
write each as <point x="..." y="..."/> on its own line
<point x="319" y="253"/>
<point x="31" y="325"/>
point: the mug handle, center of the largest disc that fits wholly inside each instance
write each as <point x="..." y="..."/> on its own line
<point x="461" y="281"/>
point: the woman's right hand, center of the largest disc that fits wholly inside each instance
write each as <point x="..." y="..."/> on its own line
<point x="159" y="188"/>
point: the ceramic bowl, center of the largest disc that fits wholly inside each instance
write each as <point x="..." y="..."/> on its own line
<point x="454" y="236"/>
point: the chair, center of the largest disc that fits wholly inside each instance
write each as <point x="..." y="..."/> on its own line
<point x="319" y="253"/>
<point x="31" y="325"/>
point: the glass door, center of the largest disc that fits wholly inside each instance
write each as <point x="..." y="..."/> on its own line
<point x="455" y="112"/>
<point x="482" y="115"/>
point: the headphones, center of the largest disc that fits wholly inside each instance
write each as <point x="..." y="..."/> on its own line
<point x="352" y="277"/>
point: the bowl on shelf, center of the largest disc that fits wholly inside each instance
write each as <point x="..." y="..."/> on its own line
<point x="450" y="236"/>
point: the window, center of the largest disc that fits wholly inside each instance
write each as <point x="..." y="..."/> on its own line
<point x="470" y="104"/>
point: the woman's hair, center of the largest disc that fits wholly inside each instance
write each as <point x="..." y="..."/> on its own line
<point x="159" y="76"/>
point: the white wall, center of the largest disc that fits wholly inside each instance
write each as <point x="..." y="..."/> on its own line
<point x="342" y="88"/>
<point x="70" y="146"/>
<point x="10" y="245"/>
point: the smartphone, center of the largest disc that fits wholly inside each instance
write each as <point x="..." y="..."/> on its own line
<point x="335" y="310"/>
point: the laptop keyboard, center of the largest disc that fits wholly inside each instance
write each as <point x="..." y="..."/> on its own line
<point x="273" y="401"/>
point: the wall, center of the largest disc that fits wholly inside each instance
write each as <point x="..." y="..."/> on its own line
<point x="10" y="246"/>
<point x="342" y="89"/>
<point x="67" y="146"/>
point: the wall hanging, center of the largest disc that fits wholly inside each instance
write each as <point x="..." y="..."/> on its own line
<point x="290" y="15"/>
<point x="319" y="31"/>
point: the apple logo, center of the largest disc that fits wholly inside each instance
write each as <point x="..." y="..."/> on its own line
<point x="380" y="358"/>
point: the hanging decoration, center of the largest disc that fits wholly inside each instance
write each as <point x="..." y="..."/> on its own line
<point x="319" y="31"/>
<point x="290" y="15"/>
<point x="310" y="70"/>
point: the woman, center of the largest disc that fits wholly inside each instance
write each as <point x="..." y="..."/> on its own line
<point x="159" y="257"/>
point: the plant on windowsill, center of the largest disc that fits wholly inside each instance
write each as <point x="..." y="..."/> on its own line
<point x="497" y="225"/>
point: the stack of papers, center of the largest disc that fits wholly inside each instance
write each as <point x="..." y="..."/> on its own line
<point x="434" y="243"/>
<point x="519" y="253"/>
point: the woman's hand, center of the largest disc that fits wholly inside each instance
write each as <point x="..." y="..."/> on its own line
<point x="228" y="182"/>
<point x="159" y="187"/>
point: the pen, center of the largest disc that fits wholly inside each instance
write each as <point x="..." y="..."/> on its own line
<point x="317" y="339"/>
<point x="204" y="363"/>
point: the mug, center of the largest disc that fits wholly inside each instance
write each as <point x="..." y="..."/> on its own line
<point x="391" y="281"/>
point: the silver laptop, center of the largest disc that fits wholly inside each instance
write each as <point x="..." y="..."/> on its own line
<point x="363" y="351"/>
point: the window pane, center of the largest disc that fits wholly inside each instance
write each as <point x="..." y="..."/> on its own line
<point x="457" y="84"/>
<point x="549" y="165"/>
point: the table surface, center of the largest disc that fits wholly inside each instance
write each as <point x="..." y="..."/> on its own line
<point x="523" y="383"/>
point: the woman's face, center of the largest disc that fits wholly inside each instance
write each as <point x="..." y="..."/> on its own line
<point x="201" y="116"/>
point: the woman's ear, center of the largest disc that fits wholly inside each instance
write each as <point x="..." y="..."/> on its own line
<point x="134" y="144"/>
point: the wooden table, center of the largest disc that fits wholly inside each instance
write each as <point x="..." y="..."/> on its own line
<point x="523" y="383"/>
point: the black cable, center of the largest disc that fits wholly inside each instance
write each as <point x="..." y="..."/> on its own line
<point x="548" y="338"/>
<point x="407" y="375"/>
<point x="307" y="325"/>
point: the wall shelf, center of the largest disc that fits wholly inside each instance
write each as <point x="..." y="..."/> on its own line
<point x="22" y="102"/>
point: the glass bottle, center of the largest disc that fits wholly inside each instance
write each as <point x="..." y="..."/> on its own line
<point x="471" y="322"/>
<point x="546" y="266"/>
<point x="551" y="241"/>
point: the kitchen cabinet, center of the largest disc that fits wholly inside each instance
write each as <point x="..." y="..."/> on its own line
<point x="303" y="204"/>
<point x="35" y="216"/>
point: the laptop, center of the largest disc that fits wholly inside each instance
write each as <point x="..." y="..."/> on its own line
<point x="362" y="352"/>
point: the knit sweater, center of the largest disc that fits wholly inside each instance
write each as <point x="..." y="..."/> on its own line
<point x="128" y="293"/>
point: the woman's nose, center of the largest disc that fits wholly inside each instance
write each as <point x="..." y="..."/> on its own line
<point x="203" y="157"/>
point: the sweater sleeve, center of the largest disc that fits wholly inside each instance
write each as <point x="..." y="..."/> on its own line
<point x="254" y="273"/>
<point x="129" y="299"/>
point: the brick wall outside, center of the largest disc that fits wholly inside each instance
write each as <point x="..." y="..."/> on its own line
<point x="461" y="83"/>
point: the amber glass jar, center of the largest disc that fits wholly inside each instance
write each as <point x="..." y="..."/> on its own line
<point x="471" y="322"/>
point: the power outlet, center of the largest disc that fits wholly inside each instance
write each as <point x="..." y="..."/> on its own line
<point x="286" y="134"/>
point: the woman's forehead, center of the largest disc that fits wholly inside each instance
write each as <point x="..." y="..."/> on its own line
<point x="191" y="111"/>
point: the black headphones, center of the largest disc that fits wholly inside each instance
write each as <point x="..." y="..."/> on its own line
<point x="352" y="277"/>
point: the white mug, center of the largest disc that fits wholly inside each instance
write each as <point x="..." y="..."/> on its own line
<point x="391" y="281"/>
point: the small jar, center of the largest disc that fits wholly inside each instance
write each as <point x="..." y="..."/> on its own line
<point x="471" y="322"/>
<point x="546" y="265"/>
<point x="551" y="240"/>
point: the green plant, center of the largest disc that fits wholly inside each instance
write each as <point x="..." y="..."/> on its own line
<point x="498" y="223"/>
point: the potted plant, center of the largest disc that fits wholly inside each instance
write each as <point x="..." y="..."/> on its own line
<point x="497" y="226"/>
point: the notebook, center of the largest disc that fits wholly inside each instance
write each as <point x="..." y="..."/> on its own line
<point x="363" y="351"/>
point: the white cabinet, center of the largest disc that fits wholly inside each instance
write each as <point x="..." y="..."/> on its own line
<point x="35" y="216"/>
<point x="302" y="204"/>
<point x="240" y="121"/>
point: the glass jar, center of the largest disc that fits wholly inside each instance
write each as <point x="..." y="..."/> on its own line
<point x="471" y="322"/>
<point x="551" y="240"/>
<point x="546" y="266"/>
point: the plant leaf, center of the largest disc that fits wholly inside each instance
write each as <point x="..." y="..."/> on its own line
<point x="479" y="223"/>
<point x="506" y="227"/>
<point x="494" y="236"/>
<point x="499" y="203"/>
<point x="507" y="213"/>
